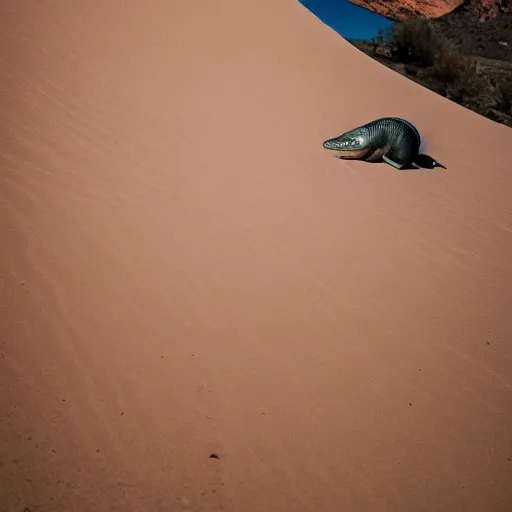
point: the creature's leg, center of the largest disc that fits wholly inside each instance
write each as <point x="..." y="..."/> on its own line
<point x="392" y="162"/>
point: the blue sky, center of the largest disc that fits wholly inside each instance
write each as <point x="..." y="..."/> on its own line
<point x="347" y="19"/>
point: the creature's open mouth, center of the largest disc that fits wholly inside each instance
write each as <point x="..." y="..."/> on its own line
<point x="353" y="154"/>
<point x="350" y="145"/>
<point x="344" y="143"/>
<point x="349" y="148"/>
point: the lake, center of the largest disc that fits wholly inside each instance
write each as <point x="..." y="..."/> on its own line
<point x="349" y="20"/>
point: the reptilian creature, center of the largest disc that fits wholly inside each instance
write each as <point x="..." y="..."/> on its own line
<point x="390" y="139"/>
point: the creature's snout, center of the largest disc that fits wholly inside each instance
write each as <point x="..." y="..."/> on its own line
<point x="331" y="144"/>
<point x="342" y="142"/>
<point x="352" y="144"/>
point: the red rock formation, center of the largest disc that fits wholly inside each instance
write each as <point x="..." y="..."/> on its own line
<point x="402" y="9"/>
<point x="487" y="9"/>
<point x="483" y="10"/>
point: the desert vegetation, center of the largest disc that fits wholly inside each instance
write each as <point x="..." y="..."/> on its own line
<point x="417" y="48"/>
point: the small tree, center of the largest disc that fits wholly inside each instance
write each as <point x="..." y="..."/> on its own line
<point x="377" y="41"/>
<point x="380" y="36"/>
<point x="374" y="44"/>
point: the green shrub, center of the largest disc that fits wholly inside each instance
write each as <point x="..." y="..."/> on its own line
<point x="438" y="64"/>
<point x="449" y="66"/>
<point x="457" y="77"/>
<point x="410" y="70"/>
<point x="504" y="96"/>
<point x="415" y="41"/>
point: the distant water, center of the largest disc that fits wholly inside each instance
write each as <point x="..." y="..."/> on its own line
<point x="349" y="20"/>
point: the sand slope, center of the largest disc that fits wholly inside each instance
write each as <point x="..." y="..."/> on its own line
<point x="186" y="271"/>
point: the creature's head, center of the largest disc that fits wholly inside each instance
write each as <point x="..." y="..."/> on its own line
<point x="351" y="145"/>
<point x="427" y="162"/>
<point x="438" y="164"/>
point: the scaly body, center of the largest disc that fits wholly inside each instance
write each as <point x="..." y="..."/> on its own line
<point x="394" y="140"/>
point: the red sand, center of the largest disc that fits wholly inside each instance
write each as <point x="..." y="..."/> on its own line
<point x="186" y="271"/>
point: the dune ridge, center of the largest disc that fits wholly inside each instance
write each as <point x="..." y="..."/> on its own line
<point x="186" y="272"/>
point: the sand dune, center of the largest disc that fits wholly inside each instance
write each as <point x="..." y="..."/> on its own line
<point x="186" y="271"/>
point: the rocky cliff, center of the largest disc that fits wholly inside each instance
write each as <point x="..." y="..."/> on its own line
<point x="482" y="28"/>
<point x="485" y="10"/>
<point x="482" y="10"/>
<point x="402" y="9"/>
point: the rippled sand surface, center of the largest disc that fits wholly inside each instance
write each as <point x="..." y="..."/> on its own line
<point x="185" y="271"/>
